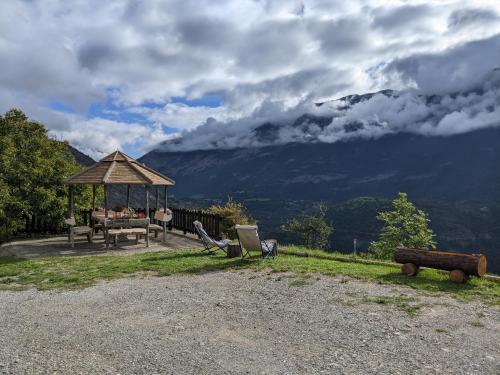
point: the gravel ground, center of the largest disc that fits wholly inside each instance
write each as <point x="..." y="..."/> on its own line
<point x="245" y="322"/>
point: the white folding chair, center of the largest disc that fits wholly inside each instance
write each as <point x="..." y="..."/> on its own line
<point x="248" y="237"/>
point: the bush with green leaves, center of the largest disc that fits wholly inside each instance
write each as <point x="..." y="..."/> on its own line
<point x="232" y="213"/>
<point x="312" y="229"/>
<point x="32" y="172"/>
<point x="404" y="225"/>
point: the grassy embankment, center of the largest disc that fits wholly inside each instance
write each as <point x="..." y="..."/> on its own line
<point x="77" y="272"/>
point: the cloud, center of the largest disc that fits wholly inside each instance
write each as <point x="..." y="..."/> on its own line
<point x="457" y="69"/>
<point x="471" y="17"/>
<point x="102" y="136"/>
<point x="405" y="18"/>
<point x="181" y="116"/>
<point x="264" y="58"/>
<point x="442" y="103"/>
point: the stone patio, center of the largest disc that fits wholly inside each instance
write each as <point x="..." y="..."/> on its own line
<point x="59" y="245"/>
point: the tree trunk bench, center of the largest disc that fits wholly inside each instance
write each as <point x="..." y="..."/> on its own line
<point x="460" y="265"/>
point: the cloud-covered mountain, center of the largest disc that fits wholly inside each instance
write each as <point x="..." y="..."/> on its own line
<point x="455" y="168"/>
<point x="80" y="157"/>
<point x="370" y="116"/>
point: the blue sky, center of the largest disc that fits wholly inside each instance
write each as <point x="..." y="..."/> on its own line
<point x="120" y="113"/>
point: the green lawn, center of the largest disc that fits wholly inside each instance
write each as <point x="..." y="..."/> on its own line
<point x="77" y="272"/>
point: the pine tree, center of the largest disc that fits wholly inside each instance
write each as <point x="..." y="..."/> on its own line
<point x="405" y="225"/>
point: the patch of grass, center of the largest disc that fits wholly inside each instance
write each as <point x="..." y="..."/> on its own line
<point x="406" y="304"/>
<point x="477" y="323"/>
<point x="441" y="330"/>
<point x="300" y="280"/>
<point x="76" y="272"/>
<point x="428" y="280"/>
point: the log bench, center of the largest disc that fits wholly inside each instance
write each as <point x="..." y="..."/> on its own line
<point x="460" y="265"/>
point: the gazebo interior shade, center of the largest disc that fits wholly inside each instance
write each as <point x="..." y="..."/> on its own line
<point x="119" y="169"/>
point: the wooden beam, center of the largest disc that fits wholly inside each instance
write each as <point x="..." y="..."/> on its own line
<point x="108" y="172"/>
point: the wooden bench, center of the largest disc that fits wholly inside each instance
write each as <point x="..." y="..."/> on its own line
<point x="77" y="231"/>
<point x="115" y="228"/>
<point x="115" y="233"/>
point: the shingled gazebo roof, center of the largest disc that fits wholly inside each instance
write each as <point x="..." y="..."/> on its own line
<point x="119" y="169"/>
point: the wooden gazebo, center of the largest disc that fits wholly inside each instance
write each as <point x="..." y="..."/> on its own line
<point x="119" y="169"/>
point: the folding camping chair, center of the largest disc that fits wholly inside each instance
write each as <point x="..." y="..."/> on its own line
<point x="210" y="245"/>
<point x="249" y="239"/>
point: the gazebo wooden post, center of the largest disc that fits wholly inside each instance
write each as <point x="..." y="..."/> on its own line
<point x="105" y="201"/>
<point x="93" y="197"/>
<point x="128" y="196"/>
<point x="70" y="208"/>
<point x="147" y="200"/>
<point x="165" y="212"/>
<point x="165" y="200"/>
<point x="106" y="239"/>
<point x="147" y="214"/>
<point x="93" y="207"/>
<point x="71" y="202"/>
<point x="157" y="201"/>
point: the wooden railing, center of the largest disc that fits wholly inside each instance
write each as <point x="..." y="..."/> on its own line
<point x="182" y="219"/>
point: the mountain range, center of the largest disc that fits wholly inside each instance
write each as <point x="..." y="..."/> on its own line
<point x="80" y="157"/>
<point x="459" y="167"/>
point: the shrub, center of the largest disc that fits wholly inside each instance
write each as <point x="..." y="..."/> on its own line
<point x="232" y="213"/>
<point x="32" y="172"/>
<point x="312" y="228"/>
<point x="405" y="225"/>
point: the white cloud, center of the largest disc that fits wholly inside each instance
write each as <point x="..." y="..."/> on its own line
<point x="182" y="116"/>
<point x="98" y="137"/>
<point x="264" y="57"/>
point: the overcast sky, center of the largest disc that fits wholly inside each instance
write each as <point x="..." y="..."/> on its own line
<point x="127" y="75"/>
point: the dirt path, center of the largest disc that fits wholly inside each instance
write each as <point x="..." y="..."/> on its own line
<point x="245" y="322"/>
